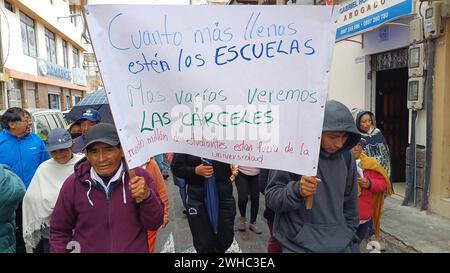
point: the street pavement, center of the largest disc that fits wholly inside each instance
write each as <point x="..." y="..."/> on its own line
<point x="176" y="236"/>
<point x="402" y="230"/>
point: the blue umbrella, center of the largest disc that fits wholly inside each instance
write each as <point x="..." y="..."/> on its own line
<point x="211" y="198"/>
<point x="96" y="100"/>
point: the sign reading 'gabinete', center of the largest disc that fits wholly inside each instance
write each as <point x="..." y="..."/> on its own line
<point x="240" y="84"/>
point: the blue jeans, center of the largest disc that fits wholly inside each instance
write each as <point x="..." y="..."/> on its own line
<point x="163" y="164"/>
<point x="182" y="187"/>
<point x="371" y="229"/>
<point x="361" y="232"/>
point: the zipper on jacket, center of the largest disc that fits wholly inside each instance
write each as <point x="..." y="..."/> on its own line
<point x="109" y="223"/>
<point x="20" y="156"/>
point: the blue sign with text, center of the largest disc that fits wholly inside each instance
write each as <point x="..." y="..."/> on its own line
<point x="367" y="23"/>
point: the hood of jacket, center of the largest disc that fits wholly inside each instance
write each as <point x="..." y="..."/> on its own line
<point x="82" y="170"/>
<point x="358" y="113"/>
<point x="338" y="118"/>
<point x="12" y="191"/>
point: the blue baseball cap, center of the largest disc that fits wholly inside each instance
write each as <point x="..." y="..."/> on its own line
<point x="90" y="114"/>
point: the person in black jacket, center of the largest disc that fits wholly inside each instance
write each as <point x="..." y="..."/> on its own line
<point x="273" y="246"/>
<point x="195" y="174"/>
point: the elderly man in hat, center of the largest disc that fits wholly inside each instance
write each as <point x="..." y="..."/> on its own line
<point x="87" y="119"/>
<point x="100" y="208"/>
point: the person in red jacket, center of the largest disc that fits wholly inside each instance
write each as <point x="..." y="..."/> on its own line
<point x="372" y="179"/>
<point x="155" y="173"/>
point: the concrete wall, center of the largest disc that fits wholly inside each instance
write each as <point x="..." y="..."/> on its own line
<point x="42" y="96"/>
<point x="12" y="44"/>
<point x="348" y="74"/>
<point x="64" y="102"/>
<point x="11" y="34"/>
<point x="439" y="199"/>
<point x="50" y="12"/>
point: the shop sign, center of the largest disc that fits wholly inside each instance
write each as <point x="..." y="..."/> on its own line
<point x="359" y="16"/>
<point x="50" y="69"/>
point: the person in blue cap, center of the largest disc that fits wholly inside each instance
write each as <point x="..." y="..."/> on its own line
<point x="87" y="119"/>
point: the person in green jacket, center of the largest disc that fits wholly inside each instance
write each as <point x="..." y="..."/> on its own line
<point x="12" y="190"/>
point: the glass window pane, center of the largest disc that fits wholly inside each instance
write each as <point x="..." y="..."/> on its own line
<point x="53" y="50"/>
<point x="31" y="41"/>
<point x="59" y="120"/>
<point x="53" y="101"/>
<point x="42" y="126"/>
<point x="75" y="58"/>
<point x="51" y="121"/>
<point x="23" y="29"/>
<point x="47" y="47"/>
<point x="65" y="58"/>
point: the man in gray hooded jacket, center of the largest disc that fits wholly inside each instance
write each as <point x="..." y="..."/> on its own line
<point x="331" y="223"/>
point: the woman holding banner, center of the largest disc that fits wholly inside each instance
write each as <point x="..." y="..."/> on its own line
<point x="196" y="172"/>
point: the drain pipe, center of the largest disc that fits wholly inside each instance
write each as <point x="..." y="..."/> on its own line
<point x="431" y="44"/>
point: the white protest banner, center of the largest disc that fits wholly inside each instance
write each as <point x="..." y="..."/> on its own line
<point x="244" y="85"/>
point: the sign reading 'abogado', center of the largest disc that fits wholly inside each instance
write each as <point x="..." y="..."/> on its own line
<point x="359" y="16"/>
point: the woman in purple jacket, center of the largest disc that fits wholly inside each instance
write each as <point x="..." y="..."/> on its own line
<point x="99" y="208"/>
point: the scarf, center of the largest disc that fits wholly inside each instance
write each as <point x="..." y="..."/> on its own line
<point x="370" y="163"/>
<point x="41" y="196"/>
<point x="376" y="147"/>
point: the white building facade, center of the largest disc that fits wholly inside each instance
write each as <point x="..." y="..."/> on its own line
<point x="370" y="70"/>
<point x="42" y="54"/>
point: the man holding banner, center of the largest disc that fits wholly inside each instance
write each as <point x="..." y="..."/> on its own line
<point x="183" y="90"/>
<point x="330" y="225"/>
<point x="100" y="208"/>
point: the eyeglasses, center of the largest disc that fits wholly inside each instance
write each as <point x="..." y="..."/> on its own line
<point x="28" y="121"/>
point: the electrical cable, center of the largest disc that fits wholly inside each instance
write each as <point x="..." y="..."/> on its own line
<point x="9" y="39"/>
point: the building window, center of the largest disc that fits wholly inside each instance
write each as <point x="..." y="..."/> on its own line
<point x="51" y="46"/>
<point x="9" y="6"/>
<point x="28" y="35"/>
<point x="31" y="97"/>
<point x="14" y="98"/>
<point x="76" y="57"/>
<point x="53" y="101"/>
<point x="65" y="56"/>
<point x="73" y="11"/>
<point x="76" y="100"/>
<point x="67" y="102"/>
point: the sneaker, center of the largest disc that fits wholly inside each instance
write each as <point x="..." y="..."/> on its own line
<point x="373" y="247"/>
<point x="254" y="228"/>
<point x="242" y="224"/>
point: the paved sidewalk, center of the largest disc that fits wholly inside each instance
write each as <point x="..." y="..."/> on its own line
<point x="415" y="230"/>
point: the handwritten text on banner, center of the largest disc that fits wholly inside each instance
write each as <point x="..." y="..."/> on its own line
<point x="239" y="84"/>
